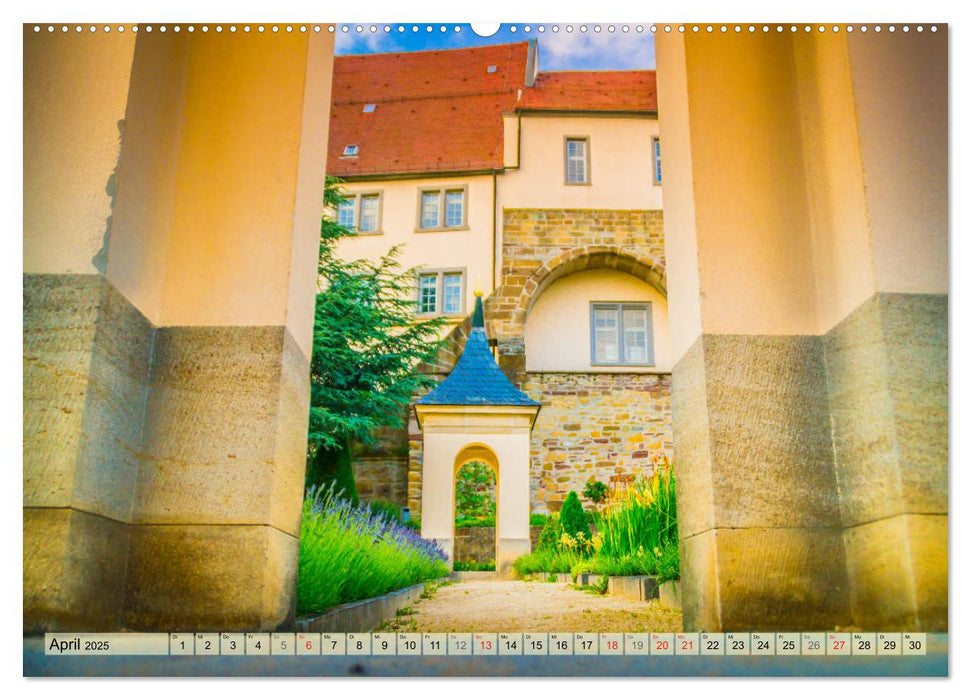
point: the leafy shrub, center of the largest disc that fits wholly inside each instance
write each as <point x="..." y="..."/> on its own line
<point x="474" y="566"/>
<point x="551" y="561"/>
<point x="595" y="491"/>
<point x="549" y="536"/>
<point x="330" y="468"/>
<point x="350" y="553"/>
<point x="538" y="519"/>
<point x="475" y="492"/>
<point x="572" y="517"/>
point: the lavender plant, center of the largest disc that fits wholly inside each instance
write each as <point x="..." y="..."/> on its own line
<point x="350" y="552"/>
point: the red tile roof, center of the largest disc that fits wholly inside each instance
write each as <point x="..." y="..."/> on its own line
<point x="615" y="91"/>
<point x="435" y="111"/>
<point x="441" y="111"/>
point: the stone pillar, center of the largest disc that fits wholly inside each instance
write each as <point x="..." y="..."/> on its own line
<point x="888" y="356"/>
<point x="86" y="351"/>
<point x="780" y="409"/>
<point x="190" y="363"/>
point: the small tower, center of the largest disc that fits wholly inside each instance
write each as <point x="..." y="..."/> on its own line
<point x="477" y="414"/>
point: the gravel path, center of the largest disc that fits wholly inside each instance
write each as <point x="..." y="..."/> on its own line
<point x="526" y="606"/>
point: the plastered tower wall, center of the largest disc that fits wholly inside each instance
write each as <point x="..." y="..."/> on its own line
<point x="166" y="347"/>
<point x="812" y="466"/>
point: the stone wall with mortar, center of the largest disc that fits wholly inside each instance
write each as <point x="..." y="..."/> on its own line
<point x="608" y="427"/>
<point x="479" y="543"/>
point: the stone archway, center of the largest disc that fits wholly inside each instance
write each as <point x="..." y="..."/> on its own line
<point x="468" y="456"/>
<point x="511" y="303"/>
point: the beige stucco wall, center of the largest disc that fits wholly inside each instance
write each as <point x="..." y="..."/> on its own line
<point x="754" y="255"/>
<point x="842" y="259"/>
<point x="802" y="174"/>
<point x="470" y="248"/>
<point x="66" y="178"/>
<point x="901" y="93"/>
<point x="228" y="211"/>
<point x="680" y="243"/>
<point x="558" y="325"/>
<point x="620" y="164"/>
<point x="503" y="432"/>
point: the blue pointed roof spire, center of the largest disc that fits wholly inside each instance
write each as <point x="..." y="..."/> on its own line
<point x="476" y="379"/>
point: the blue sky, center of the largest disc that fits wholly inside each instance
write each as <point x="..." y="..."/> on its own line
<point x="559" y="47"/>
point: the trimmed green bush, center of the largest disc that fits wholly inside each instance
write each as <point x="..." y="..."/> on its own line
<point x="573" y="519"/>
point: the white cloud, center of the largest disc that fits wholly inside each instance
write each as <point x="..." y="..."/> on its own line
<point x="603" y="50"/>
<point x="351" y="42"/>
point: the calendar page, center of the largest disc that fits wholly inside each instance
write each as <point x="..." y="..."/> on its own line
<point x="517" y="349"/>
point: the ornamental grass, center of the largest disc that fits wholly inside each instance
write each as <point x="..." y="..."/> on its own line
<point x="350" y="553"/>
<point x="640" y="518"/>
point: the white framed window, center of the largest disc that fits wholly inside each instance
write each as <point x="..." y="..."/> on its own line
<point x="361" y="212"/>
<point x="656" y="160"/>
<point x="621" y="333"/>
<point x="350" y="151"/>
<point x="443" y="208"/>
<point x="441" y="292"/>
<point x="577" y="160"/>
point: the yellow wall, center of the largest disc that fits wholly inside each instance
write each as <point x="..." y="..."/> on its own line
<point x="470" y="248"/>
<point x="842" y="260"/>
<point x="802" y="174"/>
<point x="680" y="243"/>
<point x="620" y="164"/>
<point x="74" y="85"/>
<point x="227" y="210"/>
<point x="901" y="92"/>
<point x="558" y="325"/>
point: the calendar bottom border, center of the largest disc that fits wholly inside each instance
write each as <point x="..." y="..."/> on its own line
<point x="933" y="664"/>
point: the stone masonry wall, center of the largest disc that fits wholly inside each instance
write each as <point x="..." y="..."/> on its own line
<point x="542" y="245"/>
<point x="607" y="427"/>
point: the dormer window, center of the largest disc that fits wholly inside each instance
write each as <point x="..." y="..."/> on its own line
<point x="491" y="69"/>
<point x="350" y="150"/>
<point x="369" y="108"/>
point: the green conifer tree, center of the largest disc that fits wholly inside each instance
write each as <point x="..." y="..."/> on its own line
<point x="573" y="519"/>
<point x="368" y="346"/>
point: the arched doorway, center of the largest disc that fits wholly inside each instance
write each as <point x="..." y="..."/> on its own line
<point x="475" y="514"/>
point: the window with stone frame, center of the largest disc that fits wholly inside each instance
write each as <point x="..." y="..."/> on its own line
<point x="577" y="161"/>
<point x="621" y="333"/>
<point x="443" y="208"/>
<point x="441" y="292"/>
<point x="361" y="212"/>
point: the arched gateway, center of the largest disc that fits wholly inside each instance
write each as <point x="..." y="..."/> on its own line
<point x="477" y="414"/>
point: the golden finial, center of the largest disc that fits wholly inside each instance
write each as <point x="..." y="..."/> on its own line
<point x="478" y="291"/>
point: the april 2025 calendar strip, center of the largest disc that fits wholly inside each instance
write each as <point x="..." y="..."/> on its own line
<point x="488" y="644"/>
